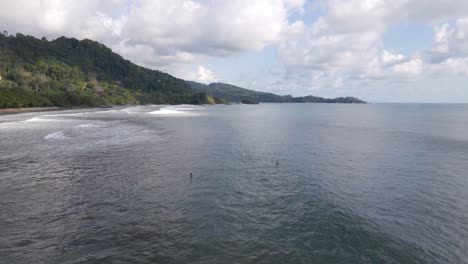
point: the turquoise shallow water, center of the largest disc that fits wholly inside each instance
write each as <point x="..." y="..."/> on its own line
<point x="384" y="183"/>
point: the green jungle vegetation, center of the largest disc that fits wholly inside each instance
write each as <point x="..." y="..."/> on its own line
<point x="233" y="93"/>
<point x="68" y="72"/>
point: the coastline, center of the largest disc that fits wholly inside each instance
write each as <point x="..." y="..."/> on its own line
<point x="11" y="111"/>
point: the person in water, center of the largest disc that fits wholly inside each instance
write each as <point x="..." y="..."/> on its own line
<point x="190" y="175"/>
<point x="277" y="163"/>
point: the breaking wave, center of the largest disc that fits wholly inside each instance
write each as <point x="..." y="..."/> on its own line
<point x="164" y="111"/>
<point x="39" y="119"/>
<point x="177" y="110"/>
<point x="88" y="125"/>
<point x="56" y="136"/>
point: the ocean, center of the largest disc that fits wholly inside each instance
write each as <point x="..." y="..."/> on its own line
<point x="272" y="183"/>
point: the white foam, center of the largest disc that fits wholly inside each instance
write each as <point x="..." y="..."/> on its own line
<point x="108" y="111"/>
<point x="164" y="111"/>
<point x="185" y="107"/>
<point x="74" y="114"/>
<point x="56" y="136"/>
<point x="32" y="121"/>
<point x="131" y="110"/>
<point x="38" y="119"/>
<point x="88" y="125"/>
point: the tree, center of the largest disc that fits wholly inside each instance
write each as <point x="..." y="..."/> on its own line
<point x="39" y="80"/>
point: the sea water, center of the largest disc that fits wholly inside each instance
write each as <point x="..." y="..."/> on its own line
<point x="376" y="183"/>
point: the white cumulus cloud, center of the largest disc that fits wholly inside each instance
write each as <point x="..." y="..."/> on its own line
<point x="156" y="32"/>
<point x="321" y="44"/>
<point x="205" y="75"/>
<point x="346" y="43"/>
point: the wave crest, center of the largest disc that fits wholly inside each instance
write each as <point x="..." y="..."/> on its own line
<point x="164" y="111"/>
<point x="56" y="136"/>
<point x="88" y="125"/>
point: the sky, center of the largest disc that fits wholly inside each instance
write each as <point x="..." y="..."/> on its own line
<point x="377" y="50"/>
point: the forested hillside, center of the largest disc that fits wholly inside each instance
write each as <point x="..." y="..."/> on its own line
<point x="233" y="93"/>
<point x="69" y="72"/>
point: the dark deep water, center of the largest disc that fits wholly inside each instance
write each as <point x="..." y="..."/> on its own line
<point x="355" y="184"/>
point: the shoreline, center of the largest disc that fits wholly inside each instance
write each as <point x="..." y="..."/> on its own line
<point x="12" y="111"/>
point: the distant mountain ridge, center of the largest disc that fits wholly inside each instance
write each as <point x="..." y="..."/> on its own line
<point x="234" y="93"/>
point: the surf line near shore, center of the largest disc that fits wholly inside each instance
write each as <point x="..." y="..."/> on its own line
<point x="9" y="111"/>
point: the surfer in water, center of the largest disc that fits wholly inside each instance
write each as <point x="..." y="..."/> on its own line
<point x="191" y="175"/>
<point x="277" y="163"/>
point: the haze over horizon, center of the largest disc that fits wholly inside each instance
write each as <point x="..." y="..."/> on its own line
<point x="377" y="50"/>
